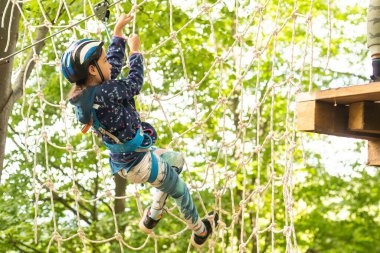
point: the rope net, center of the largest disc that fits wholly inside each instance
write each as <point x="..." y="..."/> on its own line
<point x="215" y="76"/>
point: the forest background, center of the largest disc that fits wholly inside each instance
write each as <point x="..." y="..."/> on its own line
<point x="336" y="196"/>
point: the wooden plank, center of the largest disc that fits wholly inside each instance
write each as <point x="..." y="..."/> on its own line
<point x="344" y="95"/>
<point x="356" y="116"/>
<point x="374" y="152"/>
<point x="325" y="118"/>
<point x="364" y="117"/>
<point x="306" y="116"/>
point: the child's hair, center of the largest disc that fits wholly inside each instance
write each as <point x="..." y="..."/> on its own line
<point x="75" y="91"/>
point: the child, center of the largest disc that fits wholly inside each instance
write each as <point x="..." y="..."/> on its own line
<point x="109" y="106"/>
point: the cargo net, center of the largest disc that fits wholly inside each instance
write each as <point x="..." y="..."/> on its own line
<point x="220" y="85"/>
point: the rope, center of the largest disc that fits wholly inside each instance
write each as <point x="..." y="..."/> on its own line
<point x="232" y="158"/>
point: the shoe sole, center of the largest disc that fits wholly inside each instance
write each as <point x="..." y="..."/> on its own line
<point x="196" y="245"/>
<point x="141" y="223"/>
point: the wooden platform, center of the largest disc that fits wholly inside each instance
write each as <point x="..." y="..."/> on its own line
<point x="348" y="112"/>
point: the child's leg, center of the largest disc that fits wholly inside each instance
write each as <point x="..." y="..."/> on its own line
<point x="168" y="182"/>
<point x="176" y="161"/>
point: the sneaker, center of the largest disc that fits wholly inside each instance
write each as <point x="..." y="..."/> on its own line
<point x="374" y="78"/>
<point x="146" y="223"/>
<point x="199" y="241"/>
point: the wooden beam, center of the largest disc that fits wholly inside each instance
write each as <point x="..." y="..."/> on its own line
<point x="326" y="118"/>
<point x="344" y="95"/>
<point x="374" y="152"/>
<point x="364" y="117"/>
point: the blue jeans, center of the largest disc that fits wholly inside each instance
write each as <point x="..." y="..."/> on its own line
<point x="168" y="182"/>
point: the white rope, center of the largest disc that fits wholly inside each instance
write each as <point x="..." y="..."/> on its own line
<point x="229" y="158"/>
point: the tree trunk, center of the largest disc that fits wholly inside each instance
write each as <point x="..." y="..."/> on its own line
<point x="12" y="92"/>
<point x="6" y="94"/>
<point x="120" y="187"/>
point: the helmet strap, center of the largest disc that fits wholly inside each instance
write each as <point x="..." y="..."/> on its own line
<point x="99" y="71"/>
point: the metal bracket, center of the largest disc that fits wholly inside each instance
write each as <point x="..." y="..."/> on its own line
<point x="101" y="10"/>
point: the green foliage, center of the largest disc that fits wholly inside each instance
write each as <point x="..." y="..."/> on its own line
<point x="333" y="214"/>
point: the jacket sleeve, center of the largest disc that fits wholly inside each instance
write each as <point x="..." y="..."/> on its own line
<point x="126" y="88"/>
<point x="115" y="55"/>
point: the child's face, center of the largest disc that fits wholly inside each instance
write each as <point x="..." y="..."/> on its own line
<point x="104" y="66"/>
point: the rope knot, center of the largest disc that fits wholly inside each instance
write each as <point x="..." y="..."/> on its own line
<point x="260" y="188"/>
<point x="36" y="58"/>
<point x="50" y="185"/>
<point x="57" y="236"/>
<point x="235" y="218"/>
<point x="287" y="230"/>
<point x="81" y="234"/>
<point x="44" y="135"/>
<point x="118" y="237"/>
<point x="135" y="8"/>
<point x="219" y="59"/>
<point x="241" y="163"/>
<point x="108" y="193"/>
<point x="275" y="31"/>
<point x="242" y="125"/>
<point x="75" y="190"/>
<point x="62" y="105"/>
<point x="229" y="175"/>
<point x="48" y="24"/>
<point x="218" y="194"/>
<point x="156" y="96"/>
<point x="173" y="36"/>
<point x="69" y="147"/>
<point x="259" y="8"/>
<point x="27" y="25"/>
<point x="57" y="62"/>
<point x="257" y="149"/>
<point x="222" y="100"/>
<point x="96" y="148"/>
<point x="190" y="86"/>
<point x="295" y="14"/>
<point x="211" y="164"/>
<point x="194" y="185"/>
<point x="211" y="244"/>
<point x="206" y="8"/>
<point x="242" y="247"/>
<point x="221" y="225"/>
<point x="238" y="37"/>
<point x="40" y="95"/>
<point x="309" y="17"/>
<point x="257" y="54"/>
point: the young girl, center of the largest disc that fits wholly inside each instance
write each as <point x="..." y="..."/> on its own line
<point x="108" y="106"/>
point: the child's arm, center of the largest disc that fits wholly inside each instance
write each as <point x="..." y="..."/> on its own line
<point x="132" y="84"/>
<point x="136" y="65"/>
<point x="116" y="50"/>
<point x="127" y="88"/>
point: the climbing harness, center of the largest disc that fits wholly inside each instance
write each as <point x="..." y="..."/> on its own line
<point x="142" y="142"/>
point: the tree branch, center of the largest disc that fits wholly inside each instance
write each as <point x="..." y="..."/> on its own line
<point x="22" y="244"/>
<point x="28" y="66"/>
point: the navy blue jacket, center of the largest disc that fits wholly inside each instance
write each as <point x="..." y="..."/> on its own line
<point x="117" y="110"/>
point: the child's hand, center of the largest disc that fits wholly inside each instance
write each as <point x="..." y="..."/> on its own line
<point x="123" y="20"/>
<point x="134" y="42"/>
